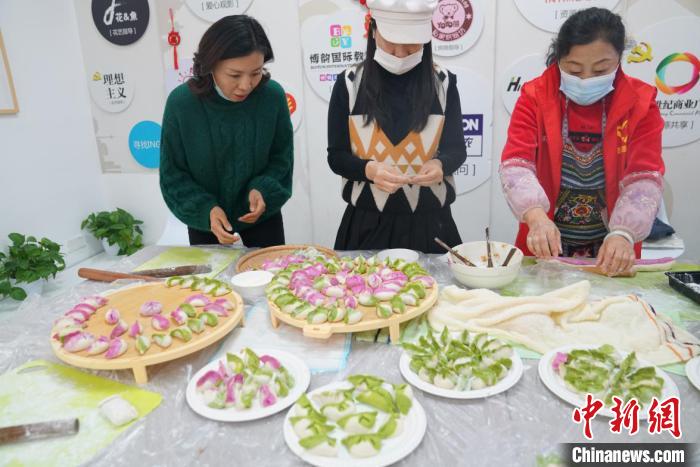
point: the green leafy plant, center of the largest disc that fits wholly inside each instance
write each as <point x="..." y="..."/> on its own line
<point x="118" y="228"/>
<point x="28" y="260"/>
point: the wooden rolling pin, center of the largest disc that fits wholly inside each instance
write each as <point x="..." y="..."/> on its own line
<point x="110" y="276"/>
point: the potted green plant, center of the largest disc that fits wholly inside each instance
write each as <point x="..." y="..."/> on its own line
<point x="27" y="265"/>
<point x="119" y="231"/>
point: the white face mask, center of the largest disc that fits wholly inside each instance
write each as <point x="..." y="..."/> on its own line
<point x="219" y="91"/>
<point x="396" y="65"/>
<point x="586" y="91"/>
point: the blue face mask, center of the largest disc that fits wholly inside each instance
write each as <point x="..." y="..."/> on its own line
<point x="586" y="91"/>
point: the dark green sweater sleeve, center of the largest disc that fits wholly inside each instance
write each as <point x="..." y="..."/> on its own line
<point x="187" y="200"/>
<point x="275" y="181"/>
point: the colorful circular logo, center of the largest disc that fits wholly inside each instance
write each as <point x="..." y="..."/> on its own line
<point x="291" y="103"/>
<point x="677" y="57"/>
<point x="144" y="143"/>
<point x="452" y="19"/>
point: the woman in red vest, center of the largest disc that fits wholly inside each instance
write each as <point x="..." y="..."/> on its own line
<point x="582" y="168"/>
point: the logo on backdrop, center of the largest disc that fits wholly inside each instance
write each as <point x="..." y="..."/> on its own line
<point x="294" y="103"/>
<point x="457" y="25"/>
<point x="640" y="53"/>
<point x="214" y="10"/>
<point x="341" y="36"/>
<point x="658" y="60"/>
<point x="682" y="88"/>
<point x="121" y="22"/>
<point x="476" y="128"/>
<point x="551" y="14"/>
<point x="144" y="143"/>
<point x="473" y="128"/>
<point x="452" y="20"/>
<point x="330" y="44"/>
<point x="517" y="74"/>
<point x="111" y="90"/>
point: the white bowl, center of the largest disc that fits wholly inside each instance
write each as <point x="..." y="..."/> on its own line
<point x="481" y="276"/>
<point x="405" y="254"/>
<point x="251" y="284"/>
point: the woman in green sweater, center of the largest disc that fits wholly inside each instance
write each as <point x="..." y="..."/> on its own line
<point x="227" y="145"/>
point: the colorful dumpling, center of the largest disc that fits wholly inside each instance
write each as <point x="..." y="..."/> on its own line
<point x="358" y="423"/>
<point x="335" y="411"/>
<point x="392" y="428"/>
<point x="320" y="445"/>
<point x="363" y="445"/>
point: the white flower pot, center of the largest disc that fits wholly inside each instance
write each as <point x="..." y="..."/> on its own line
<point x="31" y="288"/>
<point x="111" y="250"/>
<point x="93" y="243"/>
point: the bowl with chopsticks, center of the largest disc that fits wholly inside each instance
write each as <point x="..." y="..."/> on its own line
<point x="502" y="270"/>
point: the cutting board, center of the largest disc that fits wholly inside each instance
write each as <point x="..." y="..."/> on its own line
<point x="41" y="391"/>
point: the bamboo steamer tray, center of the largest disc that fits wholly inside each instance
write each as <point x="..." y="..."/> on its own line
<point x="369" y="322"/>
<point x="128" y="301"/>
<point x="255" y="259"/>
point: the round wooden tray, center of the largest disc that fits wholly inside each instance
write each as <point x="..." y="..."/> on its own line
<point x="255" y="259"/>
<point x="369" y="322"/>
<point x="128" y="301"/>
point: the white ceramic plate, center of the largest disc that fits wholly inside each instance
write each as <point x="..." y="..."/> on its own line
<point x="513" y="376"/>
<point x="556" y="384"/>
<point x="393" y="449"/>
<point x="293" y="364"/>
<point x="405" y="254"/>
<point x="692" y="371"/>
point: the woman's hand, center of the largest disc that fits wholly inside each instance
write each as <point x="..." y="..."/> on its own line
<point x="257" y="207"/>
<point x="544" y="238"/>
<point x="430" y="173"/>
<point x="385" y="177"/>
<point x="616" y="256"/>
<point x="221" y="227"/>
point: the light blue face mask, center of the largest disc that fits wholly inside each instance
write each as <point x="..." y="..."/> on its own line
<point x="219" y="91"/>
<point x="586" y="91"/>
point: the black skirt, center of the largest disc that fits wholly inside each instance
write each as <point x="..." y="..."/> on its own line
<point x="362" y="229"/>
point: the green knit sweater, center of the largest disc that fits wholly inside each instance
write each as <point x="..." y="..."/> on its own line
<point x="213" y="152"/>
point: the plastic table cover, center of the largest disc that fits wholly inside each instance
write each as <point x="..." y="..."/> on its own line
<point x="522" y="426"/>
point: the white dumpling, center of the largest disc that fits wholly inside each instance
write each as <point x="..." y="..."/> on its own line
<point x="363" y="449"/>
<point x="354" y="427"/>
<point x="209" y="395"/>
<point x="399" y="428"/>
<point x="302" y="428"/>
<point x="338" y="411"/>
<point x="503" y="352"/>
<point x="325" y="450"/>
<point x="300" y="411"/>
<point x="444" y="382"/>
<point x="424" y="374"/>
<point x="477" y="383"/>
<point x="328" y="397"/>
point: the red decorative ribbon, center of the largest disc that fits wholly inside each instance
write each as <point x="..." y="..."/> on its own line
<point x="173" y="38"/>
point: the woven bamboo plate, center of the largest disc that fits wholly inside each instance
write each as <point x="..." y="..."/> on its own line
<point x="369" y="322"/>
<point x="255" y="259"/>
<point x="128" y="301"/>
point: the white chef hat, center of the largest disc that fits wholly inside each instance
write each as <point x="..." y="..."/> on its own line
<point x="404" y="21"/>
